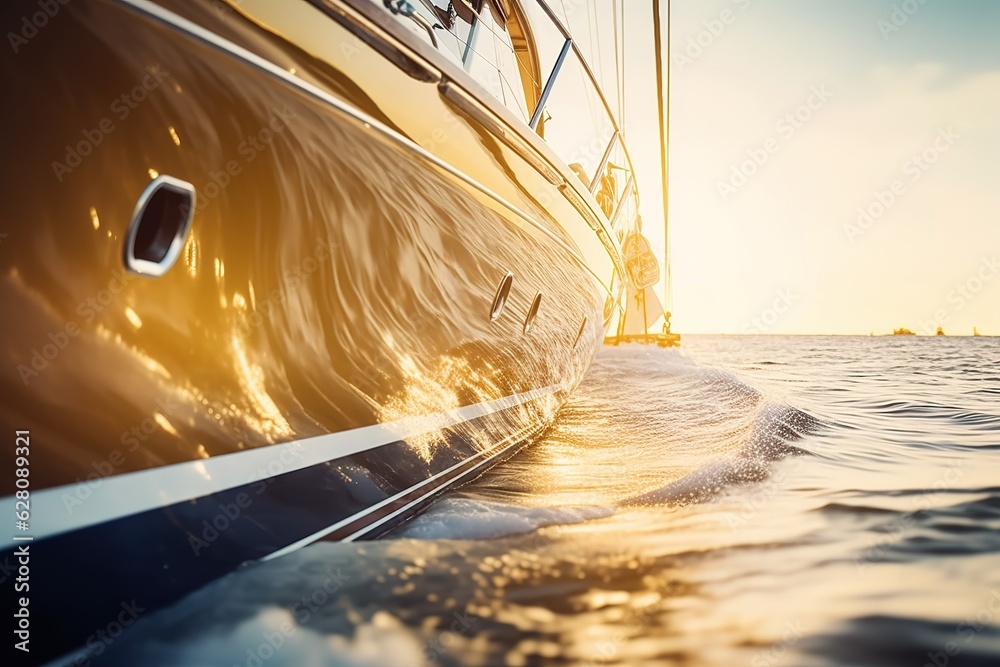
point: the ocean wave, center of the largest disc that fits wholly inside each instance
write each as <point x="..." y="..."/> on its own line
<point x="914" y="641"/>
<point x="775" y="428"/>
<point x="708" y="513"/>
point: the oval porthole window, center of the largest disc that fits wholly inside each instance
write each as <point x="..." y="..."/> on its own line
<point x="529" y="321"/>
<point x="159" y="226"/>
<point x="500" y="300"/>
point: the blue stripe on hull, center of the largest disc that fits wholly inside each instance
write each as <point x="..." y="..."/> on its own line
<point x="154" y="558"/>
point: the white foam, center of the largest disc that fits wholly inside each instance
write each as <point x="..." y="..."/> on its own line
<point x="773" y="429"/>
<point x="702" y="484"/>
<point x="466" y="519"/>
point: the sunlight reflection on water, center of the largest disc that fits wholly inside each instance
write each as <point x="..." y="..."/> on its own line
<point x="783" y="501"/>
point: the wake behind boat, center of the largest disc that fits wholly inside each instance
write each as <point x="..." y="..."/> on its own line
<point x="284" y="273"/>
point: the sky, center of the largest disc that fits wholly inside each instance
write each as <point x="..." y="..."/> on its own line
<point x="833" y="165"/>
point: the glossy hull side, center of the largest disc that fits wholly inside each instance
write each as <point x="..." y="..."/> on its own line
<point x="339" y="275"/>
<point x="333" y="277"/>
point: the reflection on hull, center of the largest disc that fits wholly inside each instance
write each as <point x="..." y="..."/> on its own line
<point x="320" y="360"/>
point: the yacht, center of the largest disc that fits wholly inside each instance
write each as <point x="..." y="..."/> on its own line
<point x="278" y="272"/>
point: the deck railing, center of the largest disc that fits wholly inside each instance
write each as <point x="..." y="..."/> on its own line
<point x="596" y="152"/>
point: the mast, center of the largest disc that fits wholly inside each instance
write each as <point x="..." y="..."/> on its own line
<point x="664" y="118"/>
<point x="642" y="268"/>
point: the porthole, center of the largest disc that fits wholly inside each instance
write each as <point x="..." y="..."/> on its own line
<point x="500" y="300"/>
<point x="159" y="226"/>
<point x="529" y="321"/>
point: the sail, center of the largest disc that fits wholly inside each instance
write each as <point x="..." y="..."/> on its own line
<point x="643" y="310"/>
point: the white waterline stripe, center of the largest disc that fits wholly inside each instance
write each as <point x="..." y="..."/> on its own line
<point x="212" y="39"/>
<point x="500" y="449"/>
<point x="59" y="510"/>
<point x="350" y="538"/>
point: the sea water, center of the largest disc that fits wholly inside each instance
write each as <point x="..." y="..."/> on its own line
<point x="757" y="501"/>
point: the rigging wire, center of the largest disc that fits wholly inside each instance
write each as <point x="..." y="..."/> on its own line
<point x="618" y="80"/>
<point x="623" y="79"/>
<point x="594" y="35"/>
<point x="664" y="119"/>
<point x="596" y="44"/>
